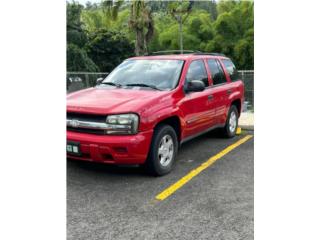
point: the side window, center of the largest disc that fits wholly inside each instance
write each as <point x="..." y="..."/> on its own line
<point x="197" y="71"/>
<point x="217" y="73"/>
<point x="231" y="69"/>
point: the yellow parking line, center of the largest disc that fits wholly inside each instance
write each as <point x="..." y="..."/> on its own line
<point x="174" y="187"/>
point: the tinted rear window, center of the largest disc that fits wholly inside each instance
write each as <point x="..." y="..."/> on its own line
<point x="231" y="69"/>
<point x="217" y="73"/>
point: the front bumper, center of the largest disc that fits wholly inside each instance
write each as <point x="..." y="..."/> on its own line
<point x="129" y="149"/>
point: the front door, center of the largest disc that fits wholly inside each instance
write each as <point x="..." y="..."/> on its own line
<point x="197" y="106"/>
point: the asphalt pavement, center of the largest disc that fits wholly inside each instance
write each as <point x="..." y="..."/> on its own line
<point x="109" y="202"/>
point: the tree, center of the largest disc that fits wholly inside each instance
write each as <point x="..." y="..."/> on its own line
<point x="108" y="49"/>
<point x="140" y="22"/>
<point x="233" y="32"/>
<point x="78" y="60"/>
<point x="77" y="57"/>
<point x="197" y="31"/>
<point x="75" y="32"/>
<point x="146" y="26"/>
<point x="208" y="6"/>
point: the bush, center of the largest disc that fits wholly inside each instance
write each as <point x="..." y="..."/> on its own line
<point x="108" y="49"/>
<point x="78" y="60"/>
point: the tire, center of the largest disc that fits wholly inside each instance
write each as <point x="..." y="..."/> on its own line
<point x="231" y="125"/>
<point x="157" y="163"/>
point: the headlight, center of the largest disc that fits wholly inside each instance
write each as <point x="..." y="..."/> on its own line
<point x="122" y="124"/>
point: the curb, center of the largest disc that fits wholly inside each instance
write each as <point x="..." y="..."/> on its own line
<point x="247" y="127"/>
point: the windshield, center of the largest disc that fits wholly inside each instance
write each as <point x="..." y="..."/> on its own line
<point x="158" y="74"/>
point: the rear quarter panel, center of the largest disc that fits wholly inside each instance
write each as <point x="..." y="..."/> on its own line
<point x="237" y="88"/>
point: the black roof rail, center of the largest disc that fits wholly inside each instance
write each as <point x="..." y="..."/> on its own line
<point x="175" y="51"/>
<point x="193" y="52"/>
<point x="212" y="54"/>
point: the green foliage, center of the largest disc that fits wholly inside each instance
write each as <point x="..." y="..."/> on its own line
<point x="108" y="37"/>
<point x="77" y="57"/>
<point x="197" y="30"/>
<point x="108" y="49"/>
<point x="94" y="41"/>
<point x="111" y="8"/>
<point x="76" y="37"/>
<point x="74" y="15"/>
<point x="140" y="21"/>
<point x="226" y="6"/>
<point x="95" y="19"/>
<point x="244" y="52"/>
<point x="233" y="32"/>
<point x="78" y="60"/>
<point x="75" y="33"/>
<point x="179" y="7"/>
<point x="208" y="6"/>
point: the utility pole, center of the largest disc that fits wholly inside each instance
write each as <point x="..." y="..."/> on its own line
<point x="181" y="34"/>
<point x="177" y="12"/>
<point x="180" y="29"/>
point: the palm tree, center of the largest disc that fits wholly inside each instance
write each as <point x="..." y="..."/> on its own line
<point x="140" y="21"/>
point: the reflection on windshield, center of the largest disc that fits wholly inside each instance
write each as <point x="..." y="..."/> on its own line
<point x="162" y="74"/>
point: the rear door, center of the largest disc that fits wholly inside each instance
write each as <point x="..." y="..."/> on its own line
<point x="220" y="91"/>
<point x="196" y="106"/>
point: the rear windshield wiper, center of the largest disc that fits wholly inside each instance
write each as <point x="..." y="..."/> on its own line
<point x="142" y="85"/>
<point x="112" y="84"/>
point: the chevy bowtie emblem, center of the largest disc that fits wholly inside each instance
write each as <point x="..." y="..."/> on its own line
<point x="74" y="123"/>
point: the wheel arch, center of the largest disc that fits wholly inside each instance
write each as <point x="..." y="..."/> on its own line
<point x="237" y="104"/>
<point x="174" y="122"/>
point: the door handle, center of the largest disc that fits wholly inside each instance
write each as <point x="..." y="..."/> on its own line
<point x="229" y="91"/>
<point x="210" y="97"/>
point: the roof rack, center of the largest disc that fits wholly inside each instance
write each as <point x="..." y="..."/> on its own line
<point x="175" y="52"/>
<point x="212" y="54"/>
<point x="194" y="52"/>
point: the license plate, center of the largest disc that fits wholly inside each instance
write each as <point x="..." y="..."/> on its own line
<point x="73" y="148"/>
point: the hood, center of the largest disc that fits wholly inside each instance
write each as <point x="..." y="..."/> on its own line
<point x="106" y="100"/>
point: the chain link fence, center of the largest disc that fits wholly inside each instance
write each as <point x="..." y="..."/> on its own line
<point x="247" y="77"/>
<point x="80" y="80"/>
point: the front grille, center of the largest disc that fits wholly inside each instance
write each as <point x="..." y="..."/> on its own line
<point x="88" y="118"/>
<point x="86" y="130"/>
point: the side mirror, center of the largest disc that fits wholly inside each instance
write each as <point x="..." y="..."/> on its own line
<point x="99" y="80"/>
<point x="195" y="86"/>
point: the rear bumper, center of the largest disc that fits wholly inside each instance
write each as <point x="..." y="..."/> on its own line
<point x="131" y="149"/>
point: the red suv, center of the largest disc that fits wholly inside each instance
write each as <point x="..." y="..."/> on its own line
<point x="148" y="106"/>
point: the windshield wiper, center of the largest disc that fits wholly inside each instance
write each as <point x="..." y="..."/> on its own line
<point x="112" y="84"/>
<point x="142" y="85"/>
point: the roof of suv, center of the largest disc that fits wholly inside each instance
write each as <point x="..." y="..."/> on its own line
<point x="179" y="56"/>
